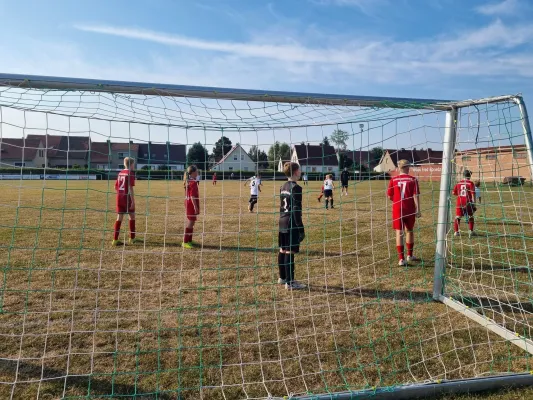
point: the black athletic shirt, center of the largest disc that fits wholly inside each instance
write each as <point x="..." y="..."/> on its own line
<point x="345" y="176"/>
<point x="290" y="207"/>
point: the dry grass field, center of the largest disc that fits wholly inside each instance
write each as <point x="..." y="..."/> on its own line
<point x="81" y="319"/>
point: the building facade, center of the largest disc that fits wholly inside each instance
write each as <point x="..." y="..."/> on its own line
<point x="237" y="159"/>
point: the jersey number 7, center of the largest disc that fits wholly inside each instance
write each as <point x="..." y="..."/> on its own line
<point x="402" y="186"/>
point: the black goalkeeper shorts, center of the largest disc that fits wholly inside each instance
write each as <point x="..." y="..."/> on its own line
<point x="289" y="241"/>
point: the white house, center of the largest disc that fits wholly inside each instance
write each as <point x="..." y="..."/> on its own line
<point x="235" y="160"/>
<point x="316" y="158"/>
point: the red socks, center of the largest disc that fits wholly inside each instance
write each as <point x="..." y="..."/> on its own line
<point x="400" y="251"/>
<point x="132" y="228"/>
<point x="117" y="230"/>
<point x="456" y="225"/>
<point x="471" y="224"/>
<point x="187" y="237"/>
<point x="410" y="249"/>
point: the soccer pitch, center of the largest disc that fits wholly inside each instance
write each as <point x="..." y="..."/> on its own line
<point x="83" y="319"/>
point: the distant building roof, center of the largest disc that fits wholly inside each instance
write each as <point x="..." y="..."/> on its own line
<point x="63" y="146"/>
<point x="229" y="152"/>
<point x="493" y="149"/>
<point x="314" y="154"/>
<point x="422" y="156"/>
<point x="18" y="149"/>
<point x="160" y="153"/>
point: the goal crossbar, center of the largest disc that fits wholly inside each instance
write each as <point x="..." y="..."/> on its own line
<point x="156" y="89"/>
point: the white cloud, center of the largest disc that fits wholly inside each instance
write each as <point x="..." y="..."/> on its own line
<point x="481" y="49"/>
<point x="506" y="7"/>
<point x="367" y="7"/>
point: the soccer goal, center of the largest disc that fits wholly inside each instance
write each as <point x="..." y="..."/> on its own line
<point x="83" y="315"/>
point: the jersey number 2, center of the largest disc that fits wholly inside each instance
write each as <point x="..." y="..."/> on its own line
<point x="402" y="186"/>
<point x="122" y="182"/>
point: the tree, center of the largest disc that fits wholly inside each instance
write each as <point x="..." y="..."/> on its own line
<point x="254" y="153"/>
<point x="262" y="159"/>
<point x="276" y="151"/>
<point x="197" y="154"/>
<point x="344" y="161"/>
<point x="339" y="138"/>
<point x="222" y="147"/>
<point x="325" y="141"/>
<point x="376" y="153"/>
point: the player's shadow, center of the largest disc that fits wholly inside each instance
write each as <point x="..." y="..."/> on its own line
<point x="418" y="296"/>
<point x="498" y="306"/>
<point x="248" y="249"/>
<point x="26" y="371"/>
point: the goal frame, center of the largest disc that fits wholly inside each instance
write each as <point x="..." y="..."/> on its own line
<point x="450" y="107"/>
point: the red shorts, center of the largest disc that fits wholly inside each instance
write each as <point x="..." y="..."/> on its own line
<point x="124" y="205"/>
<point x="466" y="211"/>
<point x="406" y="222"/>
<point x="191" y="213"/>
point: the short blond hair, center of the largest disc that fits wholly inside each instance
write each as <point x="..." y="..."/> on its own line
<point x="290" y="168"/>
<point x="403" y="164"/>
<point x="128" y="161"/>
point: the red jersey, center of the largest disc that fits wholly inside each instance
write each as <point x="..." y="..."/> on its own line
<point x="402" y="191"/>
<point x="125" y="181"/>
<point x="214" y="177"/>
<point x="465" y="191"/>
<point x="192" y="197"/>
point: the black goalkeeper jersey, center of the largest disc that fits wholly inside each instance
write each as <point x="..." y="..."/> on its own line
<point x="345" y="176"/>
<point x="290" y="207"/>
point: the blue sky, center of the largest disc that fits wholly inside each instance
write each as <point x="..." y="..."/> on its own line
<point x="447" y="49"/>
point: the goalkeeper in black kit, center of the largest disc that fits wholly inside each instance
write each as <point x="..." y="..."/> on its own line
<point x="291" y="228"/>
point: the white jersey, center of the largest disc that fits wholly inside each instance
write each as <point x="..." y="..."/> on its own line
<point x="305" y="177"/>
<point x="478" y="193"/>
<point x="328" y="184"/>
<point x="254" y="186"/>
<point x="198" y="178"/>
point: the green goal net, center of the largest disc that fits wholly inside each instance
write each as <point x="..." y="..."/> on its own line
<point x="83" y="318"/>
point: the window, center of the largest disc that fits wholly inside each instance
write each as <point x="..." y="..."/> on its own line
<point x="313" y="169"/>
<point x="466" y="158"/>
<point x="120" y="166"/>
<point x="230" y="168"/>
<point x="491" y="157"/>
<point x="246" y="168"/>
<point x="122" y="155"/>
<point x="41" y="153"/>
<point x="235" y="158"/>
<point x="145" y="155"/>
<point x="165" y="156"/>
<point x="242" y="157"/>
<point x="520" y="155"/>
<point x="20" y="164"/>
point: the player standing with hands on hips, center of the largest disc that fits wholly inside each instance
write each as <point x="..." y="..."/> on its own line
<point x="404" y="193"/>
<point x="345" y="177"/>
<point x="125" y="200"/>
<point x="291" y="227"/>
<point x="192" y="204"/>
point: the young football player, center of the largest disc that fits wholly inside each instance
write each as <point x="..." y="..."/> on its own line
<point x="255" y="188"/>
<point x="478" y="191"/>
<point x="328" y="190"/>
<point x="291" y="228"/>
<point x="192" y="204"/>
<point x="345" y="177"/>
<point x="214" y="179"/>
<point x="465" y="190"/>
<point x="125" y="200"/>
<point x="404" y="193"/>
<point x="321" y="194"/>
<point x="305" y="179"/>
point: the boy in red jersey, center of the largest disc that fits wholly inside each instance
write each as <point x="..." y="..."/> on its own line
<point x="214" y="179"/>
<point x="404" y="193"/>
<point x="465" y="191"/>
<point x="125" y="200"/>
<point x="192" y="204"/>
